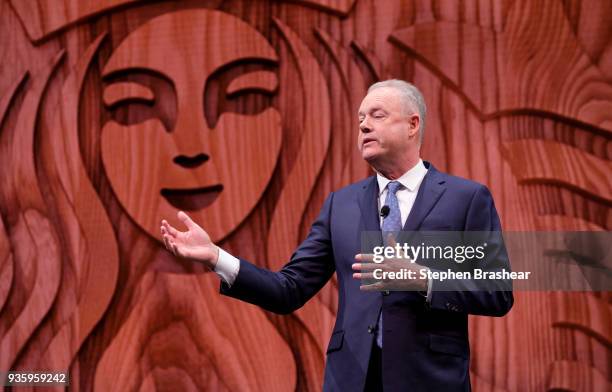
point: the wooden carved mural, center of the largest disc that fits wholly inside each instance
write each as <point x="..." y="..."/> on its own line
<point x="115" y="114"/>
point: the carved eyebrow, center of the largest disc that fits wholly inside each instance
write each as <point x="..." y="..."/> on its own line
<point x="257" y="81"/>
<point x="120" y="92"/>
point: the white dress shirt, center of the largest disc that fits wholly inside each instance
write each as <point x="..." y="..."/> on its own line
<point x="228" y="266"/>
<point x="406" y="195"/>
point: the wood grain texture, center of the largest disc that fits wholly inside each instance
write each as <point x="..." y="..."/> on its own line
<point x="184" y="169"/>
<point x="8" y="98"/>
<point x="42" y="18"/>
<point x="154" y="102"/>
<point x="512" y="70"/>
<point x="574" y="376"/>
<point x="260" y="81"/>
<point x="127" y="92"/>
<point x="562" y="165"/>
<point x="550" y="222"/>
<point x="284" y="226"/>
<point x="177" y="343"/>
<point x="7" y="268"/>
<point x="36" y="276"/>
<point x="353" y="89"/>
<point x="87" y="284"/>
<point x="588" y="314"/>
<point x="341" y="7"/>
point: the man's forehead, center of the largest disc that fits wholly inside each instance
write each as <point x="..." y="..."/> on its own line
<point x="380" y="98"/>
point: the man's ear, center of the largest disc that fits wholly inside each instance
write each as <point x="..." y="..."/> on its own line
<point x="413" y="125"/>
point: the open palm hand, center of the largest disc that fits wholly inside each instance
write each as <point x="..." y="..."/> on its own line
<point x="193" y="244"/>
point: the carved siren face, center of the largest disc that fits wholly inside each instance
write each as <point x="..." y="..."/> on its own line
<point x="216" y="173"/>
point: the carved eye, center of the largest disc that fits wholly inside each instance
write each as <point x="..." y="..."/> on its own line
<point x="264" y="82"/>
<point x="127" y="92"/>
<point x="135" y="96"/>
<point x="239" y="88"/>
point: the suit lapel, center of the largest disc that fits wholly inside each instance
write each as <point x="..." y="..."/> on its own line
<point x="432" y="187"/>
<point x="368" y="204"/>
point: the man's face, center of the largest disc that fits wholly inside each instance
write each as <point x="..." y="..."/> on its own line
<point x="386" y="131"/>
<point x="217" y="169"/>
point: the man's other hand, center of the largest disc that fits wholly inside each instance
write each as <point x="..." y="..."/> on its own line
<point x="192" y="244"/>
<point x="377" y="276"/>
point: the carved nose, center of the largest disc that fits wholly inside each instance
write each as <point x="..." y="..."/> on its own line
<point x="191" y="162"/>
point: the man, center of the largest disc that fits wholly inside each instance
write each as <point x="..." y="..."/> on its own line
<point x="394" y="341"/>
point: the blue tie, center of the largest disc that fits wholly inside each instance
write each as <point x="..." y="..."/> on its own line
<point x="391" y="223"/>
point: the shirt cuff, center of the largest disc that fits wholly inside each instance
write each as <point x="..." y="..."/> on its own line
<point x="227" y="267"/>
<point x="427" y="294"/>
<point x="429" y="290"/>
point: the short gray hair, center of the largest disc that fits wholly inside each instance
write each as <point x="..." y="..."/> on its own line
<point x="412" y="97"/>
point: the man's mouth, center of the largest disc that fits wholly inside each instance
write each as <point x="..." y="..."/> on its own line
<point x="193" y="199"/>
<point x="368" y="141"/>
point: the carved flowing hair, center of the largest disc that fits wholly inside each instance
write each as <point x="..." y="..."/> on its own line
<point x="59" y="250"/>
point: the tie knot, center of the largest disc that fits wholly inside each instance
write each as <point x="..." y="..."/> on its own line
<point x="393" y="186"/>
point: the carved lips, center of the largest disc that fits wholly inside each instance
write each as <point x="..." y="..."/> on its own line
<point x="192" y="199"/>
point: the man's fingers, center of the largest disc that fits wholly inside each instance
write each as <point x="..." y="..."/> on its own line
<point x="169" y="229"/>
<point x="170" y="235"/>
<point x="393" y="243"/>
<point x="164" y="234"/>
<point x="187" y="220"/>
<point x="364" y="257"/>
<point x="174" y="248"/>
<point x="391" y="240"/>
<point x="365" y="266"/>
<point x="166" y="241"/>
<point x="378" y="286"/>
<point x="363" y="275"/>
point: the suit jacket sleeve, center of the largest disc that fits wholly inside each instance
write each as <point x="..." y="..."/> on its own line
<point x="309" y="268"/>
<point x="495" y="297"/>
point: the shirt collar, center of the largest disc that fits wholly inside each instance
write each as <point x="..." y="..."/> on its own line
<point x="409" y="180"/>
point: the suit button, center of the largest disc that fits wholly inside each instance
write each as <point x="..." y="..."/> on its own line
<point x="386" y="292"/>
<point x="370" y="328"/>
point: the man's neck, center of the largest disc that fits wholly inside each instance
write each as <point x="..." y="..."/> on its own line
<point x="395" y="171"/>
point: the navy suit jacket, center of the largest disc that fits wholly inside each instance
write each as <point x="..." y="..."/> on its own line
<point x="427" y="345"/>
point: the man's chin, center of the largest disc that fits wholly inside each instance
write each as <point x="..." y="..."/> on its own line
<point x="370" y="157"/>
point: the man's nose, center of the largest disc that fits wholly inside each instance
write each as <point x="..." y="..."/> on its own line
<point x="364" y="126"/>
